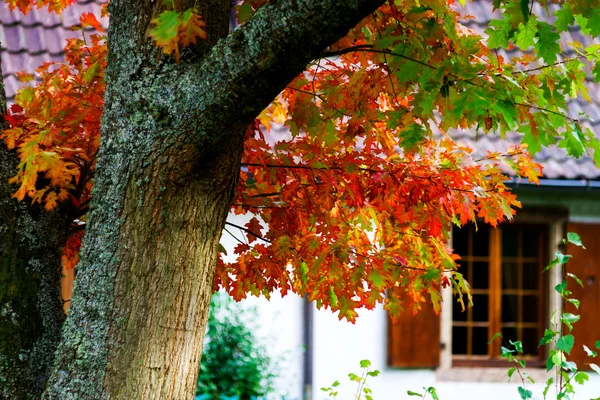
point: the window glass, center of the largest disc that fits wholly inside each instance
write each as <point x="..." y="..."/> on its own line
<point x="513" y="279"/>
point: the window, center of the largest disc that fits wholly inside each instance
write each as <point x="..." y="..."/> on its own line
<point x="504" y="267"/>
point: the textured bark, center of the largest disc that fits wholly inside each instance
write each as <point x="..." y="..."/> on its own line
<point x="169" y="160"/>
<point x="30" y="305"/>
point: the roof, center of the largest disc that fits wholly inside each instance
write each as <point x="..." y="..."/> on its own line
<point x="28" y="41"/>
<point x="556" y="162"/>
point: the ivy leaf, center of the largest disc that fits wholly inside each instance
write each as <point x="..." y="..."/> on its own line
<point x="547" y="45"/>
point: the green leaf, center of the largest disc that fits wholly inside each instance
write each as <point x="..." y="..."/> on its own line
<point x="411" y="136"/>
<point x="575" y="302"/>
<point x="548" y="337"/>
<point x="569" y="366"/>
<point x="597" y="344"/>
<point x="526" y="35"/>
<point x="549" y="383"/>
<point x="558" y="358"/>
<point x="166" y="26"/>
<point x="590" y="353"/>
<point x="547" y="45"/>
<point x="595" y="368"/>
<point x="559" y="259"/>
<point x="496" y="335"/>
<point x="596" y="72"/>
<point x="365" y="363"/>
<point x="335" y="384"/>
<point x="518" y="345"/>
<point x="564" y="18"/>
<point x="533" y="144"/>
<point x="525" y="394"/>
<point x="561" y="287"/>
<point x="411" y="393"/>
<point x="568" y="319"/>
<point x="565" y="343"/>
<point x="374" y="373"/>
<point x="505" y="353"/>
<point x="575" y="278"/>
<point x="594" y="22"/>
<point x="575" y="239"/>
<point x="433" y="393"/>
<point x="573" y="141"/>
<point x="550" y="362"/>
<point x="511" y="371"/>
<point x="498" y="33"/>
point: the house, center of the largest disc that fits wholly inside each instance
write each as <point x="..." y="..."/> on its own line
<point x="504" y="266"/>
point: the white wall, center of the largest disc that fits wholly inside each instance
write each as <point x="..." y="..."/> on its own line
<point x="339" y="347"/>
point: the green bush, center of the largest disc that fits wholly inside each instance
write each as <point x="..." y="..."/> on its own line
<point x="234" y="363"/>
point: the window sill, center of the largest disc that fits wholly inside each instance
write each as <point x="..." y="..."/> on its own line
<point x="488" y="374"/>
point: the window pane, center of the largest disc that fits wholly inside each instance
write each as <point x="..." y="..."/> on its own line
<point x="531" y="276"/>
<point x="464" y="269"/>
<point x="459" y="340"/>
<point x="510" y="279"/>
<point x="457" y="313"/>
<point x="530" y="309"/>
<point x="481" y="241"/>
<point x="480" y="307"/>
<point x="530" y="341"/>
<point x="531" y="242"/>
<point x="510" y="241"/>
<point x="509" y="308"/>
<point x="480" y="339"/>
<point x="481" y="275"/>
<point x="460" y="240"/>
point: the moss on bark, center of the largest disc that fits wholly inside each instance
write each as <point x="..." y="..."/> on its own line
<point x="30" y="305"/>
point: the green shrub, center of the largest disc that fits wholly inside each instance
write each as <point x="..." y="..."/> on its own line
<point x="234" y="363"/>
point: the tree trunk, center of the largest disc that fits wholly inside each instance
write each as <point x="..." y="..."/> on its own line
<point x="169" y="160"/>
<point x="31" y="313"/>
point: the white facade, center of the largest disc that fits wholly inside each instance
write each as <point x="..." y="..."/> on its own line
<point x="339" y="346"/>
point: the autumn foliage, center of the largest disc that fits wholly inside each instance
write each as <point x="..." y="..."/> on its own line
<point x="352" y="202"/>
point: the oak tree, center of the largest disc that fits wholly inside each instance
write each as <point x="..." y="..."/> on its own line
<point x="149" y="138"/>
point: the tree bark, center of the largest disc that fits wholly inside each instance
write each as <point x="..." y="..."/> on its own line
<point x="31" y="313"/>
<point x="169" y="160"/>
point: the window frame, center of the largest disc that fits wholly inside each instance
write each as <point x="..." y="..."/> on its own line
<point x="555" y="228"/>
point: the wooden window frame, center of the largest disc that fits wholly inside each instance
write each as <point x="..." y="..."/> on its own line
<point x="495" y="292"/>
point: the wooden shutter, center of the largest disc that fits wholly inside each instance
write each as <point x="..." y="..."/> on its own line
<point x="414" y="340"/>
<point x="586" y="265"/>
